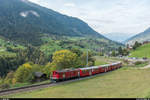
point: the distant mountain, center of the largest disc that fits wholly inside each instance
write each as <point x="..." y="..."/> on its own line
<point x="23" y="21"/>
<point x="141" y="37"/>
<point x="118" y="37"/>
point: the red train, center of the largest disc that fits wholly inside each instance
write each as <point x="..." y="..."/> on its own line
<point x="82" y="72"/>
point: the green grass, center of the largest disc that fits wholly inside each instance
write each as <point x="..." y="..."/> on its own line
<point x="3" y="47"/>
<point x="1" y="81"/>
<point x="142" y="65"/>
<point x="122" y="83"/>
<point x="101" y="60"/>
<point x="17" y="85"/>
<point x="52" y="44"/>
<point x="27" y="84"/>
<point x="143" y="51"/>
<point x="7" y="54"/>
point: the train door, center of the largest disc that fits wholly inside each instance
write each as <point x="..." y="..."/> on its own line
<point x="90" y="72"/>
<point x="64" y="75"/>
<point x="105" y="69"/>
<point x="78" y="73"/>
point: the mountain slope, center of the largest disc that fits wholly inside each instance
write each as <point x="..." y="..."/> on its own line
<point x="144" y="36"/>
<point x="24" y="21"/>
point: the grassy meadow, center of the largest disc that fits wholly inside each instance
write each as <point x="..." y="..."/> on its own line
<point x="122" y="83"/>
<point x="101" y="60"/>
<point x="143" y="51"/>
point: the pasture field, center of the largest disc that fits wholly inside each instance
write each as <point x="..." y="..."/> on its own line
<point x="122" y="83"/>
<point x="101" y="60"/>
<point x="143" y="51"/>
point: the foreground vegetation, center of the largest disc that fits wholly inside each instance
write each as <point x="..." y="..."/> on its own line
<point x="34" y="61"/>
<point x="12" y="86"/>
<point x="123" y="83"/>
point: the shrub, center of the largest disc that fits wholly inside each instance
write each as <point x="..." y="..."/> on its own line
<point x="9" y="77"/>
<point x="5" y="86"/>
<point x="101" y="54"/>
<point x="126" y="61"/>
<point x="83" y="59"/>
<point x="25" y="72"/>
<point x="1" y="81"/>
<point x="47" y="69"/>
<point x="138" y="62"/>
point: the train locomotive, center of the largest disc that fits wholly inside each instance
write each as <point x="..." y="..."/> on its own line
<point x="62" y="75"/>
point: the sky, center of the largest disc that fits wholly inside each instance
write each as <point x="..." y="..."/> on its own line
<point x="106" y="16"/>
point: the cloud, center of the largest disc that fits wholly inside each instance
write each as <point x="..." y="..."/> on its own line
<point x="69" y="5"/>
<point x="26" y="13"/>
<point x="106" y="16"/>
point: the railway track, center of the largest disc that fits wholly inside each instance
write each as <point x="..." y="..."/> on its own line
<point x="40" y="86"/>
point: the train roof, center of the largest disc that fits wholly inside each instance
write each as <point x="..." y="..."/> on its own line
<point x="86" y="68"/>
<point x="116" y="63"/>
<point x="66" y="70"/>
<point x="105" y="65"/>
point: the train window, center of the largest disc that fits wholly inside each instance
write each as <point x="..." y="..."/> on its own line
<point x="84" y="71"/>
<point x="54" y="72"/>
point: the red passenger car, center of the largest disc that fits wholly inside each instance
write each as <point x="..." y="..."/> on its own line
<point x="101" y="69"/>
<point x="85" y="71"/>
<point x="105" y="67"/>
<point x="95" y="70"/>
<point x="65" y="74"/>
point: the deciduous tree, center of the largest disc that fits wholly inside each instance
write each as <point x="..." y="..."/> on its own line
<point x="65" y="59"/>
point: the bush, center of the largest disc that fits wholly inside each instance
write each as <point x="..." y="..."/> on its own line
<point x="5" y="86"/>
<point x="138" y="62"/>
<point x="101" y="54"/>
<point x="25" y="73"/>
<point x="1" y="81"/>
<point x="9" y="77"/>
<point x="83" y="59"/>
<point x="126" y="61"/>
<point x="47" y="69"/>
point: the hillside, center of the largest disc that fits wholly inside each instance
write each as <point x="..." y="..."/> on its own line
<point x="144" y="36"/>
<point x="53" y="44"/>
<point x="10" y="52"/>
<point x="143" y="51"/>
<point x="25" y="22"/>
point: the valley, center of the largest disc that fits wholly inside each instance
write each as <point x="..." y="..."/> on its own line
<point x="39" y="42"/>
